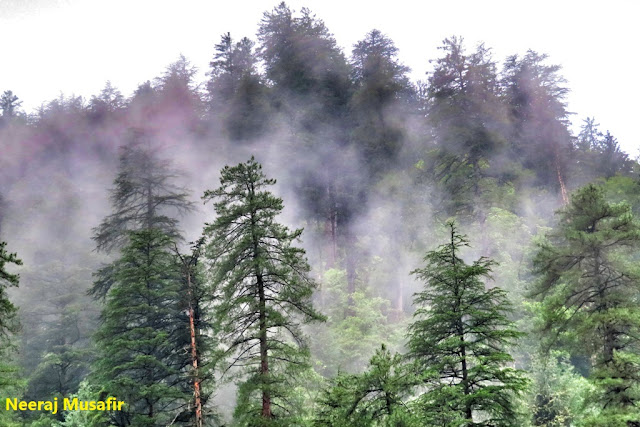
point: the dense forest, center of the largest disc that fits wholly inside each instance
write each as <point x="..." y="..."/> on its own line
<point x="311" y="238"/>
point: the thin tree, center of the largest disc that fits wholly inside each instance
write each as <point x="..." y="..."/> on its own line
<point x="202" y="351"/>
<point x="265" y="293"/>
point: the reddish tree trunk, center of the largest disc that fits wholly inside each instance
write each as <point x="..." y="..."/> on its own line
<point x="194" y="355"/>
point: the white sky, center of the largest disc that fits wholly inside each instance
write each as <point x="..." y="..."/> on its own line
<point x="75" y="46"/>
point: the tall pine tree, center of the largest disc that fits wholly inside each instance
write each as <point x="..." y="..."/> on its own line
<point x="264" y="293"/>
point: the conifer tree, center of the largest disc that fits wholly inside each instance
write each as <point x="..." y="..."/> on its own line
<point x="600" y="154"/>
<point x="237" y="93"/>
<point x="9" y="104"/>
<point x="196" y="320"/>
<point x="469" y="122"/>
<point x="535" y="93"/>
<point x="589" y="290"/>
<point x="264" y="293"/>
<point x="7" y="309"/>
<point x="143" y="197"/>
<point x="376" y="397"/>
<point x="9" y="381"/>
<point x="311" y="89"/>
<point x="138" y="361"/>
<point x="459" y="342"/>
<point x="381" y="85"/>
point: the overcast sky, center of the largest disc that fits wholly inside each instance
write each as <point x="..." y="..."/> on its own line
<point x="75" y="46"/>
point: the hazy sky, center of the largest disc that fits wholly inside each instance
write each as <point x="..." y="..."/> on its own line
<point x="75" y="46"/>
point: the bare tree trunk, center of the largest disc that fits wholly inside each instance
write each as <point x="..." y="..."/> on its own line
<point x="194" y="355"/>
<point x="187" y="265"/>
<point x="350" y="266"/>
<point x="330" y="229"/>
<point x="563" y="188"/>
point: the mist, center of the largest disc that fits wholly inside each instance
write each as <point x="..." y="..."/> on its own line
<point x="368" y="161"/>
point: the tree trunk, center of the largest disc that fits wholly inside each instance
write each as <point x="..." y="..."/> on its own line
<point x="331" y="229"/>
<point x="194" y="354"/>
<point x="563" y="188"/>
<point x="468" y="413"/>
<point x="350" y="266"/>
<point x="262" y="317"/>
<point x="463" y="347"/>
<point x="264" y="362"/>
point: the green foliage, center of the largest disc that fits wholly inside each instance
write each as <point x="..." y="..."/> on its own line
<point x="458" y="342"/>
<point x="600" y="154"/>
<point x="469" y="122"/>
<point x="375" y="398"/>
<point x="86" y="418"/>
<point x="8" y="324"/>
<point x="58" y="319"/>
<point x="263" y="294"/>
<point x="355" y="327"/>
<point x="143" y="196"/>
<point x="381" y="86"/>
<point x="623" y="189"/>
<point x="589" y="287"/>
<point x="294" y="67"/>
<point x="535" y="94"/>
<point x="559" y="395"/>
<point x="238" y="95"/>
<point x="9" y="380"/>
<point x="137" y="359"/>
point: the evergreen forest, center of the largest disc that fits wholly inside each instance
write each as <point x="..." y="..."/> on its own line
<point x="308" y="237"/>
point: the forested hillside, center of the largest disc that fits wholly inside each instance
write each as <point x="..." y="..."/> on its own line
<point x="310" y="238"/>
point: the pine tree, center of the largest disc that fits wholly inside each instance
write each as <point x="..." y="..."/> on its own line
<point x="302" y="58"/>
<point x="535" y="93"/>
<point x="196" y="320"/>
<point x="469" y="124"/>
<point x="458" y="342"/>
<point x="9" y="381"/>
<point x="382" y="86"/>
<point x="7" y="309"/>
<point x="264" y="293"/>
<point x="376" y="397"/>
<point x="311" y="89"/>
<point x="237" y="93"/>
<point x="589" y="293"/>
<point x="107" y="103"/>
<point x="143" y="197"/>
<point x="58" y="319"/>
<point x="138" y="360"/>
<point x="9" y="104"/>
<point x="600" y="154"/>
<point x="177" y="106"/>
